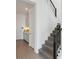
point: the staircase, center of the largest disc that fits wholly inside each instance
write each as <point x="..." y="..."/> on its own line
<point x="48" y="50"/>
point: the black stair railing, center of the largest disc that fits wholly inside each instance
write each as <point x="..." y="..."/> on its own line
<point x="57" y="39"/>
<point x="55" y="9"/>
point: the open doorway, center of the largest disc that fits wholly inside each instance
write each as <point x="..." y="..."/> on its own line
<point x="25" y="22"/>
<point x="25" y="30"/>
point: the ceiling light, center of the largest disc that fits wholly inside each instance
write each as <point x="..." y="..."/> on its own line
<point x="26" y="9"/>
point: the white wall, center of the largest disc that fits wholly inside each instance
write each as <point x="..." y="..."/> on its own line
<point x="58" y="4"/>
<point x="27" y="18"/>
<point x="20" y="22"/>
<point x="32" y="25"/>
<point x="45" y="21"/>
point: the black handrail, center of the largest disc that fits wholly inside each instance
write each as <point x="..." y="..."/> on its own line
<point x="54" y="8"/>
<point x="52" y="3"/>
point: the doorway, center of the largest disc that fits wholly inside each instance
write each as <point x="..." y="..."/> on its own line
<point x="25" y="22"/>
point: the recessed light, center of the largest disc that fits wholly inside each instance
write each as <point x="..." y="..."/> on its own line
<point x="26" y="9"/>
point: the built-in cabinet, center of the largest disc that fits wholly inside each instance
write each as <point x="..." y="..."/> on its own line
<point x="26" y="36"/>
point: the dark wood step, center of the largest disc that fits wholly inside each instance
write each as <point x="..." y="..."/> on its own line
<point x="51" y="38"/>
<point x="49" y="42"/>
<point x="45" y="54"/>
<point x="51" y="34"/>
<point x="48" y="49"/>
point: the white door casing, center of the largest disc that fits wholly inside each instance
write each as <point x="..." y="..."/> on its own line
<point x="32" y="27"/>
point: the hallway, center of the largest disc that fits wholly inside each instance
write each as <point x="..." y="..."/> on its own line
<point x="23" y="51"/>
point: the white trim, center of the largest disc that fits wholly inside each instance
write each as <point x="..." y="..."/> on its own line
<point x="36" y="51"/>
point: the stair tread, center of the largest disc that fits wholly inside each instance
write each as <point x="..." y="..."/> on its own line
<point x="50" y="42"/>
<point x="50" y="38"/>
<point x="49" y="47"/>
<point x="45" y="54"/>
<point x="51" y="34"/>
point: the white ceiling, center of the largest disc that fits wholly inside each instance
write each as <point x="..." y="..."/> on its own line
<point x="21" y="5"/>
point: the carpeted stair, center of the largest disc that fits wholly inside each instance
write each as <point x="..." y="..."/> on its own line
<point x="48" y="50"/>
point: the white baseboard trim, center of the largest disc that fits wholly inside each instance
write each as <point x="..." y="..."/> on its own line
<point x="36" y="51"/>
<point x="29" y="44"/>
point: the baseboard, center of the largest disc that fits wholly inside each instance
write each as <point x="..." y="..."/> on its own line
<point x="36" y="51"/>
<point x="19" y="39"/>
<point x="26" y="41"/>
